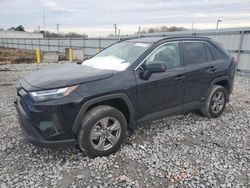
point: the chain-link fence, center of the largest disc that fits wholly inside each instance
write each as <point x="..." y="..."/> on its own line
<point x="236" y="41"/>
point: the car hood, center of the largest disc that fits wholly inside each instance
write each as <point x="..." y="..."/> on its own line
<point x="65" y="75"/>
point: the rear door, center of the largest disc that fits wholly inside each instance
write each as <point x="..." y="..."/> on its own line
<point x="217" y="60"/>
<point x="199" y="72"/>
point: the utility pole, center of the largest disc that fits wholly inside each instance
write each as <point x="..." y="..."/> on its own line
<point x="115" y="26"/>
<point x="119" y="34"/>
<point x="44" y="28"/>
<point x="139" y="32"/>
<point x="217" y="25"/>
<point x="57" y="28"/>
<point x="38" y="27"/>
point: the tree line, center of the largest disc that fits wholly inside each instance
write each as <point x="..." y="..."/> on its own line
<point x="157" y="29"/>
<point x="163" y="28"/>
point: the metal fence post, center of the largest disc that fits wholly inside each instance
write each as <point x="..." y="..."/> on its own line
<point x="24" y="43"/>
<point x="31" y="41"/>
<point x="59" y="44"/>
<point x="48" y="45"/>
<point x="240" y="45"/>
<point x="83" y="47"/>
<point x="70" y="51"/>
<point x="12" y="43"/>
<point x="3" y="43"/>
<point x="70" y="43"/>
<point x="39" y="43"/>
<point x="17" y="43"/>
<point x="100" y="46"/>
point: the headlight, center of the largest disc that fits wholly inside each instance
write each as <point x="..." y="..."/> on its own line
<point x="51" y="94"/>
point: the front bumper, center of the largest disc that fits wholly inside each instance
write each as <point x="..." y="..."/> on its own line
<point x="49" y="123"/>
<point x="34" y="136"/>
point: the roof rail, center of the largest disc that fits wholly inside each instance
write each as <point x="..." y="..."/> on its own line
<point x="183" y="37"/>
<point x="194" y="35"/>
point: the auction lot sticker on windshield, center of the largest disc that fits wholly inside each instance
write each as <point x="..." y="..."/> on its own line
<point x="144" y="45"/>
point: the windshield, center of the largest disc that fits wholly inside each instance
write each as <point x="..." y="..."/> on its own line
<point x="118" y="56"/>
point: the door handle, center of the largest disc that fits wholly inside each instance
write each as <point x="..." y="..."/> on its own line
<point x="211" y="69"/>
<point x="179" y="78"/>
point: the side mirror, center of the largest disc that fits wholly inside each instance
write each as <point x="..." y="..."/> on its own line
<point x="152" y="68"/>
<point x="156" y="67"/>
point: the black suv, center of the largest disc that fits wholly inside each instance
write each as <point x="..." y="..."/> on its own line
<point x="93" y="104"/>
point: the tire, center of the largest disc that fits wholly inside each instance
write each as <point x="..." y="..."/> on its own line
<point x="102" y="131"/>
<point x="215" y="105"/>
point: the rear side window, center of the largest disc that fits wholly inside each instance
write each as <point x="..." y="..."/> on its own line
<point x="215" y="53"/>
<point x="194" y="52"/>
<point x="209" y="55"/>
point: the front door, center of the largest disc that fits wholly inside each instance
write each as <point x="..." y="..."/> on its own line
<point x="162" y="93"/>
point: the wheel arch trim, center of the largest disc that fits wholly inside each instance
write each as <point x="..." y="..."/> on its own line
<point x="90" y="102"/>
<point x="223" y="78"/>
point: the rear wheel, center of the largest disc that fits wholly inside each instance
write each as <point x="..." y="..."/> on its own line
<point x="216" y="102"/>
<point x="102" y="131"/>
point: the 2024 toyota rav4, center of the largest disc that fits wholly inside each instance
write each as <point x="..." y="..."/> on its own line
<point x="93" y="104"/>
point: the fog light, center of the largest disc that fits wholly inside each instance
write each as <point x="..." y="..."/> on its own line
<point x="48" y="128"/>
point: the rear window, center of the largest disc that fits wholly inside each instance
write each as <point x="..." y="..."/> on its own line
<point x="194" y="52"/>
<point x="216" y="54"/>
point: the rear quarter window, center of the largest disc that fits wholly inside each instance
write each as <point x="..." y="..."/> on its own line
<point x="216" y="54"/>
<point x="194" y="52"/>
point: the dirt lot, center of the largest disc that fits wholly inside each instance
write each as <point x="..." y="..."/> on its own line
<point x="10" y="56"/>
<point x="180" y="151"/>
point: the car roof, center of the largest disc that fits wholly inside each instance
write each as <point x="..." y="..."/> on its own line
<point x="158" y="39"/>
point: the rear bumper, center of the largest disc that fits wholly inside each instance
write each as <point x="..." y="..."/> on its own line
<point x="34" y="136"/>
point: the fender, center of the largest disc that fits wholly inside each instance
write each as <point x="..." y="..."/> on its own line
<point x="223" y="78"/>
<point x="90" y="102"/>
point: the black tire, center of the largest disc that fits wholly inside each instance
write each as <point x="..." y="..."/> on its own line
<point x="93" y="120"/>
<point x="208" y="110"/>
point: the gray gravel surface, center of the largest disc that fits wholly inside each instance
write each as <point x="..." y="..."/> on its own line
<point x="179" y="151"/>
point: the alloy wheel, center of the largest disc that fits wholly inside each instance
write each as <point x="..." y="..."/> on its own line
<point x="218" y="101"/>
<point x="105" y="133"/>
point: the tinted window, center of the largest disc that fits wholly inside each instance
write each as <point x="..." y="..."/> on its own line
<point x="167" y="54"/>
<point x="194" y="52"/>
<point x="209" y="55"/>
<point x="215" y="53"/>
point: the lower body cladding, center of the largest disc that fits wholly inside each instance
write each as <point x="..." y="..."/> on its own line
<point x="48" y="125"/>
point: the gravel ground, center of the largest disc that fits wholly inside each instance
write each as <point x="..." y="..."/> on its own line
<point x="179" y="151"/>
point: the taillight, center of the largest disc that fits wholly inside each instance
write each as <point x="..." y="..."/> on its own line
<point x="235" y="62"/>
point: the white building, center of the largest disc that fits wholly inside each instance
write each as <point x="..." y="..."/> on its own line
<point x="19" y="34"/>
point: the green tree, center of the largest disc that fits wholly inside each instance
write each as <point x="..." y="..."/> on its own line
<point x="20" y="28"/>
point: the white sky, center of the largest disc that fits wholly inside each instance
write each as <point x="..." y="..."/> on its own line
<point x="97" y="17"/>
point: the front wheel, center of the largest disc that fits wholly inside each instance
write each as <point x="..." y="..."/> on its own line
<point x="102" y="131"/>
<point x="216" y="102"/>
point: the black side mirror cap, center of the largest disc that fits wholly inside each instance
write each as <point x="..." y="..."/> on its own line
<point x="152" y="68"/>
<point x="156" y="67"/>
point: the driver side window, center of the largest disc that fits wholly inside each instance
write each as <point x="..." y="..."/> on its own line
<point x="167" y="54"/>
